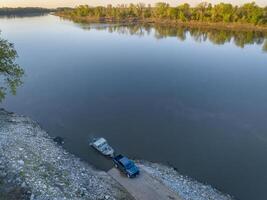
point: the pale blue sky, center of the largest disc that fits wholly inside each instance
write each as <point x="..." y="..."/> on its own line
<point x="72" y="3"/>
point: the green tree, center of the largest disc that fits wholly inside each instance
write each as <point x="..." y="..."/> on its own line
<point x="161" y="10"/>
<point x="201" y="11"/>
<point x="10" y="72"/>
<point x="184" y="12"/>
<point x="222" y="12"/>
<point x="148" y="11"/>
<point x="82" y="10"/>
<point x="250" y="13"/>
<point x="172" y="13"/>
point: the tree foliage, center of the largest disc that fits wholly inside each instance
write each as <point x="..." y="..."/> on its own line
<point x="10" y="72"/>
<point x="204" y="12"/>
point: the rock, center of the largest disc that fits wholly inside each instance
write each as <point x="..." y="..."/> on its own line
<point x="23" y="184"/>
<point x="21" y="162"/>
<point x="59" y="140"/>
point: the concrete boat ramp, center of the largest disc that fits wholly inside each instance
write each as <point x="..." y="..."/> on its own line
<point x="144" y="186"/>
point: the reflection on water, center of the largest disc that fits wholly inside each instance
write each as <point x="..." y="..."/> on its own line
<point x="218" y="37"/>
<point x="265" y="46"/>
<point x="23" y="15"/>
<point x="10" y="72"/>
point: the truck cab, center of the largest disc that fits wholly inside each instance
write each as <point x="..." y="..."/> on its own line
<point x="126" y="165"/>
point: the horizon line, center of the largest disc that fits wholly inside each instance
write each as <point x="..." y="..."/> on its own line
<point x="146" y="4"/>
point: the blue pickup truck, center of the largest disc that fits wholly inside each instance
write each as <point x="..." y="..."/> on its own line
<point x="126" y="165"/>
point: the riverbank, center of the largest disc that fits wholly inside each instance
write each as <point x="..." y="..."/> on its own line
<point x="167" y="22"/>
<point x="186" y="187"/>
<point x="33" y="166"/>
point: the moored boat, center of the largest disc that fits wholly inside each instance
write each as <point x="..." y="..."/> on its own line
<point x="101" y="145"/>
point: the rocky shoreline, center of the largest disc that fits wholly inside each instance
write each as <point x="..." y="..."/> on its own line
<point x="34" y="167"/>
<point x="186" y="187"/>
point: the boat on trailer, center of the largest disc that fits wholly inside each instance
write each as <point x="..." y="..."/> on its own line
<point x="101" y="145"/>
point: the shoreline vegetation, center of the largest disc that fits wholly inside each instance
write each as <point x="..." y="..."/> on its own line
<point x="223" y="16"/>
<point x="27" y="11"/>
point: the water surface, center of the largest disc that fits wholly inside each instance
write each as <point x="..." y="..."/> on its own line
<point x="193" y="99"/>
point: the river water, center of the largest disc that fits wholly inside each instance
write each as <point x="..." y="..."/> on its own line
<point x="193" y="99"/>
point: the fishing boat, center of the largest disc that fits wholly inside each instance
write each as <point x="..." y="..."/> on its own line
<point x="101" y="145"/>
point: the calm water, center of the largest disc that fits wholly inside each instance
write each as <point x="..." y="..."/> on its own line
<point x="193" y="99"/>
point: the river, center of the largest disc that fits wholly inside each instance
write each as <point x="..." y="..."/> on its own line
<point x="193" y="99"/>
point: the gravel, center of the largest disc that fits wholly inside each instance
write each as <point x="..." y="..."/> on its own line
<point x="33" y="166"/>
<point x="187" y="188"/>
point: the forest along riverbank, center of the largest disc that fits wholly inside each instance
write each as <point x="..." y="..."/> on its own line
<point x="248" y="16"/>
<point x="166" y="22"/>
<point x="33" y="166"/>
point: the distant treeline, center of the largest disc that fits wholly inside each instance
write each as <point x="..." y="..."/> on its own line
<point x="249" y="13"/>
<point x="23" y="11"/>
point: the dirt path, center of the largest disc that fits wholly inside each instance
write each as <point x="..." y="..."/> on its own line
<point x="144" y="187"/>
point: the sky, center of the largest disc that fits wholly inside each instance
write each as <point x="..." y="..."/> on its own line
<point x="73" y="3"/>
